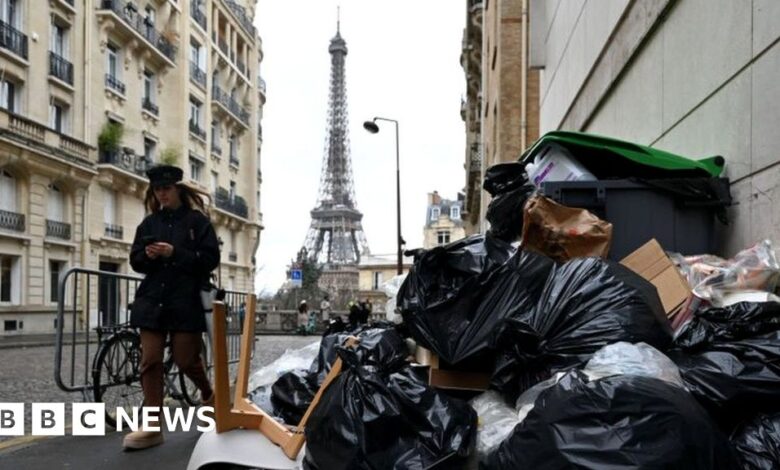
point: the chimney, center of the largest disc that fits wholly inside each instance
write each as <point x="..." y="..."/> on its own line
<point x="435" y="198"/>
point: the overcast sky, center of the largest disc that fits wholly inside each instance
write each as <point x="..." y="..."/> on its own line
<point x="403" y="63"/>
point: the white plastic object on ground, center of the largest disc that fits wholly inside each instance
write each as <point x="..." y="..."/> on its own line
<point x="496" y="421"/>
<point x="632" y="359"/>
<point x="391" y="288"/>
<point x="292" y="359"/>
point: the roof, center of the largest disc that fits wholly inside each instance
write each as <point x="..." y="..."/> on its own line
<point x="388" y="260"/>
<point x="444" y="207"/>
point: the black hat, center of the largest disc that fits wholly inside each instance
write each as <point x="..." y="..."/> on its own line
<point x="162" y="175"/>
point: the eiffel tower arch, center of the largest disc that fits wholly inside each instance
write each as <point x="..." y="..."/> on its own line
<point x="335" y="239"/>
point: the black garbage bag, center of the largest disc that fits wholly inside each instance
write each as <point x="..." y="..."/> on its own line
<point x="510" y="188"/>
<point x="729" y="359"/>
<point x="618" y="422"/>
<point x="293" y="392"/>
<point x="458" y="321"/>
<point x="385" y="416"/>
<point x="757" y="443"/>
<point x="586" y="304"/>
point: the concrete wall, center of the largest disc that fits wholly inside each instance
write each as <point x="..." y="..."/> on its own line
<point x="695" y="77"/>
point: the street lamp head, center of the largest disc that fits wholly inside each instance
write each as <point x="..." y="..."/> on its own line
<point x="371" y="127"/>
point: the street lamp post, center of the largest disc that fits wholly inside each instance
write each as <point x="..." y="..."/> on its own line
<point x="373" y="128"/>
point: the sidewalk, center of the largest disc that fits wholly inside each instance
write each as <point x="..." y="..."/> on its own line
<point x="76" y="452"/>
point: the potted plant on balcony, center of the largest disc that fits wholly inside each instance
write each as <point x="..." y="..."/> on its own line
<point x="109" y="139"/>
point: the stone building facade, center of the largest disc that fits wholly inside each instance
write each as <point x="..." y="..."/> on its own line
<point x="93" y="92"/>
<point x="443" y="221"/>
<point x="500" y="109"/>
<point x="375" y="271"/>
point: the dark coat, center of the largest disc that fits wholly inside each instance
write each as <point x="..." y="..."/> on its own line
<point x="168" y="298"/>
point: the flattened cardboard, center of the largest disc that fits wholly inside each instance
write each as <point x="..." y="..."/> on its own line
<point x="450" y="379"/>
<point x="650" y="262"/>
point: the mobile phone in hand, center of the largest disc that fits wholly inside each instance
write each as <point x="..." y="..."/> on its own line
<point x="149" y="239"/>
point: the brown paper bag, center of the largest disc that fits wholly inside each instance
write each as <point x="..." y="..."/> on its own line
<point x="562" y="232"/>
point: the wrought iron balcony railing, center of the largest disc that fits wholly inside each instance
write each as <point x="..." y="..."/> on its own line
<point x="148" y="105"/>
<point x="128" y="12"/>
<point x="243" y="18"/>
<point x="115" y="84"/>
<point x="196" y="130"/>
<point x="57" y="229"/>
<point x="218" y="95"/>
<point x="114" y="231"/>
<point x="233" y="204"/>
<point x="13" y="40"/>
<point x="60" y="68"/>
<point x="126" y="159"/>
<point x="198" y="15"/>
<point x="241" y="66"/>
<point x="197" y="74"/>
<point x="215" y="148"/>
<point x="11" y="221"/>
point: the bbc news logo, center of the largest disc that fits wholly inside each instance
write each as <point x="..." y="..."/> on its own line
<point x="89" y="419"/>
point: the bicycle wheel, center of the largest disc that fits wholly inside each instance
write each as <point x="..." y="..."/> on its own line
<point x="117" y="375"/>
<point x="189" y="390"/>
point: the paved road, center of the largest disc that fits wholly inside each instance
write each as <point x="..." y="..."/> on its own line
<point x="26" y="375"/>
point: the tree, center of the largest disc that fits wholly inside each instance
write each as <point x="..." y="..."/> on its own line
<point x="289" y="297"/>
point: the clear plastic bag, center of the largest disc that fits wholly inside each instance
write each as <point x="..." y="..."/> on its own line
<point x="391" y="288"/>
<point x="496" y="421"/>
<point x="713" y="278"/>
<point x="292" y="359"/>
<point x="641" y="359"/>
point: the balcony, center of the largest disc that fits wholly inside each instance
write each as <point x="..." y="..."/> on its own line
<point x="126" y="159"/>
<point x="475" y="5"/>
<point x="128" y="13"/>
<point x="60" y="68"/>
<point x="198" y="15"/>
<point x="232" y="257"/>
<point x="11" y="221"/>
<point x="197" y="131"/>
<point x="223" y="46"/>
<point x="197" y="75"/>
<point x="241" y="67"/>
<point x="233" y="204"/>
<point x="230" y="104"/>
<point x="13" y="40"/>
<point x="57" y="229"/>
<point x="234" y="160"/>
<point x="148" y="105"/>
<point x="114" y="231"/>
<point x="42" y="139"/>
<point x="243" y="19"/>
<point x="259" y="131"/>
<point x="113" y="83"/>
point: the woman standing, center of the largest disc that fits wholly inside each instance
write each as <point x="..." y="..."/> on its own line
<point x="176" y="247"/>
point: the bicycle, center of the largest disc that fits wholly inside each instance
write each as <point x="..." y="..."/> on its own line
<point x="117" y="378"/>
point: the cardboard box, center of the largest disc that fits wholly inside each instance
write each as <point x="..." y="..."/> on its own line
<point x="450" y="379"/>
<point x="650" y="262"/>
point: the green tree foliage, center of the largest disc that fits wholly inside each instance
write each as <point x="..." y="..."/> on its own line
<point x="288" y="298"/>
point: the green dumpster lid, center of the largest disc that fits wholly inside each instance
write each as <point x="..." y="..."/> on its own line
<point x="643" y="155"/>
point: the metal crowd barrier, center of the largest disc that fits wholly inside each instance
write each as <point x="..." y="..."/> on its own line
<point x="92" y="306"/>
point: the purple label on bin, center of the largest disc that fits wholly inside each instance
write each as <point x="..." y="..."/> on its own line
<point x="544" y="173"/>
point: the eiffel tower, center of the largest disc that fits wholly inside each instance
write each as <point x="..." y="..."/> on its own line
<point x="335" y="239"/>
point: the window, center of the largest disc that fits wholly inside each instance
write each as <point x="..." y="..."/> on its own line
<point x="257" y="201"/>
<point x="8" y="96"/>
<point x="10" y="12"/>
<point x="9" y="279"/>
<point x="194" y="112"/>
<point x="435" y="212"/>
<point x="233" y="241"/>
<point x="7" y="191"/>
<point x="196" y="167"/>
<point x="376" y="280"/>
<point x="148" y="86"/>
<point x="55" y="268"/>
<point x="109" y="206"/>
<point x="214" y="134"/>
<point x="198" y="55"/>
<point x="214" y="181"/>
<point x="233" y="148"/>
<point x="55" y="209"/>
<point x="58" y="114"/>
<point x="232" y="192"/>
<point x="59" y="40"/>
<point x="150" y="149"/>
<point x="112" y="67"/>
<point x="442" y="237"/>
<point x="455" y="212"/>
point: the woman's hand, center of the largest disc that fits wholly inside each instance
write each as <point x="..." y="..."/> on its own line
<point x="159" y="249"/>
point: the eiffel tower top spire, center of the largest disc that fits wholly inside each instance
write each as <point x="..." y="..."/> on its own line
<point x="336" y="236"/>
